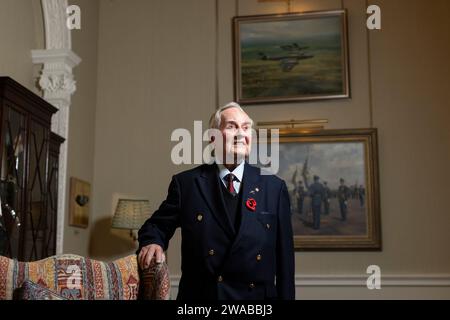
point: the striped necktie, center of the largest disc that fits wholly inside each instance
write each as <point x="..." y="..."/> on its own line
<point x="229" y="178"/>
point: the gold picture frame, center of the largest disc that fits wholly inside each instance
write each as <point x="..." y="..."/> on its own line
<point x="346" y="209"/>
<point x="80" y="198"/>
<point x="291" y="57"/>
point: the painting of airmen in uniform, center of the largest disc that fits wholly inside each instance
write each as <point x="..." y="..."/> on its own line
<point x="326" y="187"/>
<point x="328" y="182"/>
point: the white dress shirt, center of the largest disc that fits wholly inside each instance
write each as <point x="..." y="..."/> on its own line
<point x="238" y="172"/>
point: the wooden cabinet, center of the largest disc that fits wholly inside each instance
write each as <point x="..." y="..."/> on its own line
<point x="29" y="174"/>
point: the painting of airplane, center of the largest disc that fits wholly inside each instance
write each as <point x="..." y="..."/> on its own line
<point x="291" y="57"/>
<point x="288" y="61"/>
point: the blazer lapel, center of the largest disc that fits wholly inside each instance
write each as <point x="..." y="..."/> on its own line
<point x="249" y="182"/>
<point x="208" y="183"/>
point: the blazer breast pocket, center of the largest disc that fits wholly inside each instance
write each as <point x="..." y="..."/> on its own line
<point x="266" y="217"/>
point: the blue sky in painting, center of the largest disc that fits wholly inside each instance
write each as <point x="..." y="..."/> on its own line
<point x="330" y="161"/>
<point x="292" y="30"/>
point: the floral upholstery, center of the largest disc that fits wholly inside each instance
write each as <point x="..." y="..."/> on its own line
<point x="74" y="277"/>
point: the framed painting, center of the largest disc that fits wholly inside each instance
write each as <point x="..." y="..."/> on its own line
<point x="332" y="179"/>
<point x="80" y="193"/>
<point x="291" y="57"/>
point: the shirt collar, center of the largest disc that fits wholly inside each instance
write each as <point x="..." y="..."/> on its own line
<point x="238" y="172"/>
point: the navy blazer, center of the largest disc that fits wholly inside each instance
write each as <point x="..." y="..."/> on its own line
<point x="256" y="262"/>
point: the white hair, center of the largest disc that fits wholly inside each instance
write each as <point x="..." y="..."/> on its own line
<point x="215" y="120"/>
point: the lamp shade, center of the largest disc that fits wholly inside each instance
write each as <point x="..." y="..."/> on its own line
<point x="131" y="214"/>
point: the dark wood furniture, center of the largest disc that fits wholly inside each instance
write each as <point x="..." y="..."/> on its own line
<point x="29" y="174"/>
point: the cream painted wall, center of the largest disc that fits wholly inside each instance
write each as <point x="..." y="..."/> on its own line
<point x="157" y="72"/>
<point x="411" y="93"/>
<point x="81" y="140"/>
<point x="21" y="30"/>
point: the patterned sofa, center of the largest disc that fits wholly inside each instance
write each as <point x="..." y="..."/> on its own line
<point x="77" y="278"/>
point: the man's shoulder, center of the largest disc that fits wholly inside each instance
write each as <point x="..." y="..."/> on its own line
<point x="266" y="175"/>
<point x="193" y="172"/>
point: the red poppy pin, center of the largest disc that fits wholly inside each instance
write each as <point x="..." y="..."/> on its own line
<point x="251" y="204"/>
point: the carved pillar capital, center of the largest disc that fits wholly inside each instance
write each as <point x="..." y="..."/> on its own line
<point x="57" y="82"/>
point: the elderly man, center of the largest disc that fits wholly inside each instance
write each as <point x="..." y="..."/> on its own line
<point x="236" y="230"/>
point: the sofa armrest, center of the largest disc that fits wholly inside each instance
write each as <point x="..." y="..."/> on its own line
<point x="155" y="282"/>
<point x="33" y="291"/>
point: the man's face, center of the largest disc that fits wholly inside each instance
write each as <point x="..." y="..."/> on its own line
<point x="235" y="127"/>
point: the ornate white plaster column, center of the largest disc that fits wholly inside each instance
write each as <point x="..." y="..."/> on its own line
<point x="58" y="85"/>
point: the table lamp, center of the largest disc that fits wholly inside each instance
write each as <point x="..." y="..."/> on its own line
<point x="131" y="214"/>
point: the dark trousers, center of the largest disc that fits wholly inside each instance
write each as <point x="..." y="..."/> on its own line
<point x="316" y="216"/>
<point x="343" y="207"/>
<point x="326" y="206"/>
<point x="300" y="205"/>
